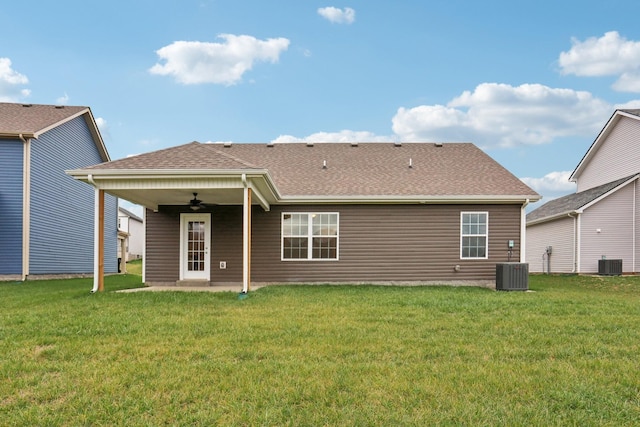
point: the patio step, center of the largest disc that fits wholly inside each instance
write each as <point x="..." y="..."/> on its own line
<point x="193" y="283"/>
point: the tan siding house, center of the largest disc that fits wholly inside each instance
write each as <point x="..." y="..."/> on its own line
<point x="604" y="210"/>
<point x="321" y="213"/>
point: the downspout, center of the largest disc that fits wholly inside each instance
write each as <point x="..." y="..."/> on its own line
<point x="633" y="228"/>
<point x="578" y="241"/>
<point x="523" y="232"/>
<point x="246" y="252"/>
<point x="96" y="236"/>
<point x="26" y="206"/>
<point x="573" y="241"/>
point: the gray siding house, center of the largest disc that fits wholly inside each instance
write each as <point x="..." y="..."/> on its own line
<point x="599" y="221"/>
<point x="320" y="213"/>
<point x="46" y="217"/>
<point x="133" y="226"/>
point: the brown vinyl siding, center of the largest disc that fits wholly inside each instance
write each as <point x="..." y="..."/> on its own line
<point x="378" y="243"/>
<point x="162" y="256"/>
<point x="387" y="243"/>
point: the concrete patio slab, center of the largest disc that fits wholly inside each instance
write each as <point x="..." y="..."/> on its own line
<point x="236" y="289"/>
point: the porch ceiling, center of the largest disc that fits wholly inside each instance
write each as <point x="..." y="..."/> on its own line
<point x="152" y="190"/>
<point x="154" y="198"/>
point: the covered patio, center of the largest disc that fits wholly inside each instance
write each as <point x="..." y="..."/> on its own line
<point x="200" y="190"/>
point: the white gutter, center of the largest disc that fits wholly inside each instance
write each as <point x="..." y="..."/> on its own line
<point x="633" y="227"/>
<point x="578" y="240"/>
<point x="573" y="240"/>
<point x="26" y="205"/>
<point x="96" y="235"/>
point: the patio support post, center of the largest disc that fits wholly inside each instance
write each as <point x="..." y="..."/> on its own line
<point x="246" y="237"/>
<point x="98" y="242"/>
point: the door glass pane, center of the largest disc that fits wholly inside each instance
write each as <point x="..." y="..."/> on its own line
<point x="196" y="241"/>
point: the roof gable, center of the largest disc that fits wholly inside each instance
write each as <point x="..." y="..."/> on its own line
<point x="574" y="202"/>
<point x="602" y="136"/>
<point x="32" y="120"/>
<point x="343" y="170"/>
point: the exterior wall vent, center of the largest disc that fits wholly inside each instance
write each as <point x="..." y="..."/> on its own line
<point x="512" y="276"/>
<point x="610" y="267"/>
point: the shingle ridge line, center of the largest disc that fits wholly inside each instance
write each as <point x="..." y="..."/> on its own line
<point x="232" y="157"/>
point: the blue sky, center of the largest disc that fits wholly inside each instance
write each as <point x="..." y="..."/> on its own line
<point x="532" y="83"/>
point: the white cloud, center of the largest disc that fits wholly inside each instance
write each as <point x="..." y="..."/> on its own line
<point x="553" y="182"/>
<point x="10" y="82"/>
<point x="501" y="115"/>
<point x="338" y="16"/>
<point x="220" y="63"/>
<point x="633" y="104"/>
<point x="63" y="100"/>
<point x="102" y="124"/>
<point x="609" y="55"/>
<point x="342" y="136"/>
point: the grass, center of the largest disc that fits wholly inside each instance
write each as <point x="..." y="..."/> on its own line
<point x="566" y="354"/>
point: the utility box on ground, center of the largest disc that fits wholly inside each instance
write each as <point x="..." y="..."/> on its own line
<point x="610" y="267"/>
<point x="512" y="276"/>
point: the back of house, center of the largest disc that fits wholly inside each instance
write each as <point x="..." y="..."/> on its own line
<point x="321" y="213"/>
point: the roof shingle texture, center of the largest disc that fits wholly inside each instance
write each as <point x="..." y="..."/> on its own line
<point x="368" y="169"/>
<point x="18" y="119"/>
<point x="573" y="202"/>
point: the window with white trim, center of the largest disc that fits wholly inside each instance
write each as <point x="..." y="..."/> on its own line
<point x="309" y="236"/>
<point x="474" y="232"/>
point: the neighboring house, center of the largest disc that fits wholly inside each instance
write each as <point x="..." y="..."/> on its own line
<point x="601" y="219"/>
<point x="321" y="213"/>
<point x="132" y="225"/>
<point x="47" y="217"/>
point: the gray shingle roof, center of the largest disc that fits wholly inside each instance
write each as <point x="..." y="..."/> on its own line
<point x="365" y="169"/>
<point x="573" y="202"/>
<point x="30" y="119"/>
<point x="635" y="112"/>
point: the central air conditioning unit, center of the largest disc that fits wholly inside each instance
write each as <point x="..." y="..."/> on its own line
<point x="610" y="267"/>
<point x="512" y="276"/>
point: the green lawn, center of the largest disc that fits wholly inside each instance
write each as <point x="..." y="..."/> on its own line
<point x="566" y="354"/>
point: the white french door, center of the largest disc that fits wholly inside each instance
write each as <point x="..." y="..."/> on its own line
<point x="195" y="241"/>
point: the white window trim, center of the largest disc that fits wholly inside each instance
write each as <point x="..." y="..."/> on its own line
<point x="485" y="235"/>
<point x="309" y="237"/>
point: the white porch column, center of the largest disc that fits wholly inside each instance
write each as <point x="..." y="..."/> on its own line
<point x="246" y="239"/>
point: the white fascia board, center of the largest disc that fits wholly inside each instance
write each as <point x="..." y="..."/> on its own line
<point x="604" y="133"/>
<point x="406" y="199"/>
<point x="112" y="179"/>
<point x="553" y="217"/>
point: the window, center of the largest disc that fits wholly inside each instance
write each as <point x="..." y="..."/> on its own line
<point x="309" y="236"/>
<point x="473" y="234"/>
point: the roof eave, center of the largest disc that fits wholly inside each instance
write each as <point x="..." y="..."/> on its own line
<point x="554" y="217"/>
<point x="409" y="199"/>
